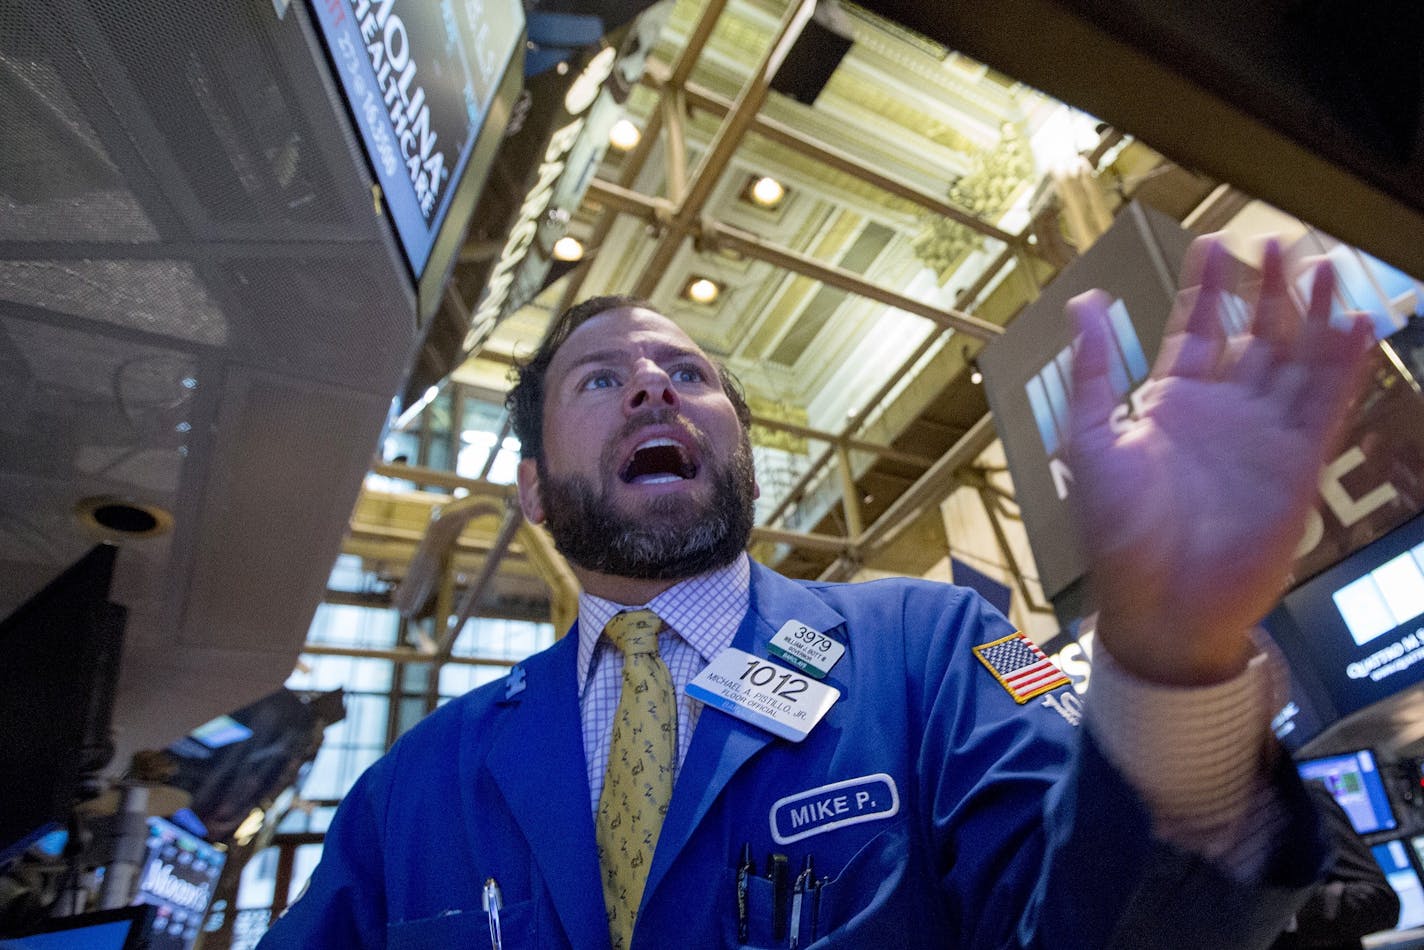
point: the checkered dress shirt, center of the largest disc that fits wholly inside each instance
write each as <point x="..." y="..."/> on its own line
<point x="701" y="615"/>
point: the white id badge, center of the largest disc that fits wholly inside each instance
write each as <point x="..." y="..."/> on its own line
<point x="768" y="695"/>
<point x="806" y="648"/>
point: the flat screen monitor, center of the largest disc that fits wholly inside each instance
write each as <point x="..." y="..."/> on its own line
<point x="1354" y="781"/>
<point x="61" y="652"/>
<point x="125" y="929"/>
<point x="1393" y="859"/>
<point x="180" y="872"/>
<point x="1354" y="634"/>
<point x="422" y="82"/>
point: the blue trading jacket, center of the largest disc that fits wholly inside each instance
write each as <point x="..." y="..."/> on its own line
<point x="938" y="812"/>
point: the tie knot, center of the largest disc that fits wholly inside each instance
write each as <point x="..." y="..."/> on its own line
<point x="634" y="631"/>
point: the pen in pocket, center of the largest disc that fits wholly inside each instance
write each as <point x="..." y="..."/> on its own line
<point x="492" y="902"/>
<point x="744" y="878"/>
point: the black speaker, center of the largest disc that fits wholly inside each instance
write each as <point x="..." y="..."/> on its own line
<point x="814" y="56"/>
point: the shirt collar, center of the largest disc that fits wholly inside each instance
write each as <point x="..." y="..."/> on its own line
<point x="704" y="610"/>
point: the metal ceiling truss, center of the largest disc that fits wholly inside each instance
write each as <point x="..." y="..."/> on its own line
<point x="679" y="217"/>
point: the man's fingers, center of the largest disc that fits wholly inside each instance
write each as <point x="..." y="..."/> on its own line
<point x="1322" y="296"/>
<point x="1255" y="357"/>
<point x="1092" y="399"/>
<point x="1335" y="362"/>
<point x="1195" y="337"/>
<point x="1277" y="320"/>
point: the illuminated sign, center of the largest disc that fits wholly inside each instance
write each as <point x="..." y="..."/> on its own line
<point x="419" y="78"/>
<point x="1374" y="482"/>
<point x="577" y="99"/>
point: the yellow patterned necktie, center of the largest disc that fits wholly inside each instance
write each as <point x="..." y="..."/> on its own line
<point x="638" y="784"/>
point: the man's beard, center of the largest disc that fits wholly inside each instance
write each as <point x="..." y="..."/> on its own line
<point x="670" y="538"/>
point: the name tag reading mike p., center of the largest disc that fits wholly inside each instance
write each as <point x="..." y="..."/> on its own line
<point x="768" y="695"/>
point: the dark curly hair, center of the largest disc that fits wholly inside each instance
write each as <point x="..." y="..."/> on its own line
<point x="525" y="401"/>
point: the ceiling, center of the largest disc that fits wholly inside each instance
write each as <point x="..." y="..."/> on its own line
<point x="921" y="212"/>
<point x="202" y="314"/>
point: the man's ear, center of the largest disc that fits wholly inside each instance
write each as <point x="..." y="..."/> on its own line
<point x="527" y="476"/>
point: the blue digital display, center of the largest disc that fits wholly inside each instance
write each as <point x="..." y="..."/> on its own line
<point x="1394" y="861"/>
<point x="1354" y="781"/>
<point x="124" y="929"/>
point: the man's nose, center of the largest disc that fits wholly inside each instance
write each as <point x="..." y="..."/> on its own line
<point x="650" y="387"/>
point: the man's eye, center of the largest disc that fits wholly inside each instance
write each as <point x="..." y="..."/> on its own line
<point x="687" y="374"/>
<point x="599" y="381"/>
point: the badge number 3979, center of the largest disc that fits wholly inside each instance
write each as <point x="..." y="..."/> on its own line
<point x="806" y="648"/>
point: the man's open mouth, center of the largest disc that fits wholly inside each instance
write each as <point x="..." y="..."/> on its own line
<point x="656" y="461"/>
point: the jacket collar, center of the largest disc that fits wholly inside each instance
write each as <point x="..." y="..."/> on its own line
<point x="554" y="816"/>
<point x="722" y="744"/>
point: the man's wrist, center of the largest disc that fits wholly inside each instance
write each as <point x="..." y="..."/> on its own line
<point x="1171" y="655"/>
<point x="1197" y="755"/>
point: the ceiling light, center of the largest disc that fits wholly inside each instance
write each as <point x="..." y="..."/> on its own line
<point x="767" y="192"/>
<point x="568" y="249"/>
<point x="975" y="376"/>
<point x="624" y="135"/>
<point x="701" y="290"/>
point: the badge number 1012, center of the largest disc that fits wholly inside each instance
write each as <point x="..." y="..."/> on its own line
<point x="763" y="693"/>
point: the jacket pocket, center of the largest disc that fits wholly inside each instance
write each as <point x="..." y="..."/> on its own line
<point x="465" y="929"/>
<point x="850" y="908"/>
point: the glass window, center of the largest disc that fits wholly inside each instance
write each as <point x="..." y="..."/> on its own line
<point x="414" y="677"/>
<point x="410" y="712"/>
<point x="350" y="626"/>
<point x="435" y="419"/>
<point x="352" y="673"/>
<point x="258" y="883"/>
<point x="481" y="425"/>
<point x="398" y="447"/>
<point x="349" y="574"/>
<point x="502" y="639"/>
<point x="303" y="863"/>
<point x="456" y="679"/>
<point x="336" y="769"/>
<point x="306" y="820"/>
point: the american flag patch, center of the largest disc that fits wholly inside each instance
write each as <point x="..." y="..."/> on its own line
<point x="1020" y="667"/>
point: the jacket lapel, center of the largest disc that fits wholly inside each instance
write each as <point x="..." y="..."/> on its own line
<point x="537" y="762"/>
<point x="722" y="743"/>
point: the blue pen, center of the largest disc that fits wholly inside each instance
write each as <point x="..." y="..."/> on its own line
<point x="492" y="902"/>
<point x="803" y="881"/>
<point x="745" y="870"/>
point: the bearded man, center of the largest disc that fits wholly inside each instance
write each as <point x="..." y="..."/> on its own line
<point x="878" y="766"/>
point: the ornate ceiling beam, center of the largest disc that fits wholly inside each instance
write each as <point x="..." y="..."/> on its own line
<point x="658" y="211"/>
<point x="782" y="134"/>
<point x="634" y="161"/>
<point x="723" y="145"/>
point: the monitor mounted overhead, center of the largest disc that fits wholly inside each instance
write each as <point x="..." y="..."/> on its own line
<point x="429" y="88"/>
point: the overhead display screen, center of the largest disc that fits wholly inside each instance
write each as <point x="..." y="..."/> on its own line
<point x="1354" y="634"/>
<point x="1375" y="481"/>
<point x="419" y="77"/>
